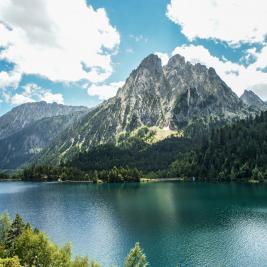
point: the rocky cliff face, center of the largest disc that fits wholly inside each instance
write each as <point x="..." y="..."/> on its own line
<point x="23" y="115"/>
<point x="252" y="100"/>
<point x="171" y="97"/>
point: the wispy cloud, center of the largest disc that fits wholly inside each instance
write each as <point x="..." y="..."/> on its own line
<point x="138" y="38"/>
<point x="32" y="93"/>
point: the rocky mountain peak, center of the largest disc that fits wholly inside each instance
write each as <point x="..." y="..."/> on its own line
<point x="253" y="100"/>
<point x="142" y="80"/>
<point x="178" y="97"/>
<point x="151" y="62"/>
<point x="176" y="61"/>
<point x="150" y="67"/>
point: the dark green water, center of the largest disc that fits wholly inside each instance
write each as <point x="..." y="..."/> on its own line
<point x="194" y="224"/>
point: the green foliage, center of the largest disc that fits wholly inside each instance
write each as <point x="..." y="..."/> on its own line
<point x="16" y="229"/>
<point x="34" y="249"/>
<point x="81" y="262"/>
<point x="22" y="246"/>
<point x="236" y="152"/>
<point x="5" y="227"/>
<point x="136" y="257"/>
<point x="10" y="262"/>
<point x="26" y="247"/>
<point x="132" y="153"/>
<point x="51" y="173"/>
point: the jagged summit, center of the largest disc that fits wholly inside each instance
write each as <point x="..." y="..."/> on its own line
<point x="176" y="96"/>
<point x="176" y="61"/>
<point x="152" y="63"/>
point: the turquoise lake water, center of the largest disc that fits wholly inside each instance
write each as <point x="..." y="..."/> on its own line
<point x="185" y="224"/>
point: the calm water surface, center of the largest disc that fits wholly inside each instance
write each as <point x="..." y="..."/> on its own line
<point x="194" y="224"/>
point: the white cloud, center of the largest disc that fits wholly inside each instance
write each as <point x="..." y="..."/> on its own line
<point x="261" y="59"/>
<point x="58" y="39"/>
<point x="19" y="99"/>
<point x="260" y="90"/>
<point x="164" y="57"/>
<point x="32" y="93"/>
<point x="250" y="56"/>
<point x="139" y="38"/>
<point x="42" y="94"/>
<point x="9" y="79"/>
<point x="50" y="98"/>
<point x="233" y="21"/>
<point x="104" y="91"/>
<point x="238" y="77"/>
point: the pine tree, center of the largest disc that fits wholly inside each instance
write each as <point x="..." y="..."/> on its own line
<point x="5" y="225"/>
<point x="136" y="257"/>
<point x="16" y="229"/>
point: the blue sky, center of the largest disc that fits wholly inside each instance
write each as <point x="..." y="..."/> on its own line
<point x="79" y="54"/>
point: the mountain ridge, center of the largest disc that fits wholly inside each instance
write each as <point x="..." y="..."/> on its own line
<point x="27" y="136"/>
<point x="23" y="115"/>
<point x="179" y="96"/>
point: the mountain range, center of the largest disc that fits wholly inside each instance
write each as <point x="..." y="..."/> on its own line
<point x="179" y="99"/>
<point x="29" y="128"/>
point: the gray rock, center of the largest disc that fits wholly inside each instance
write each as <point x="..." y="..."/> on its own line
<point x="25" y="114"/>
<point x="29" y="128"/>
<point x="253" y="100"/>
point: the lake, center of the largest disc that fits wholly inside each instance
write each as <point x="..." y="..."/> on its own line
<point x="185" y="224"/>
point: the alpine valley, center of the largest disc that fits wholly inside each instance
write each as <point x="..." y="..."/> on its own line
<point x="162" y="113"/>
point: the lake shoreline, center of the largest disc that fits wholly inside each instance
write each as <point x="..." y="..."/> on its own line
<point x="142" y="181"/>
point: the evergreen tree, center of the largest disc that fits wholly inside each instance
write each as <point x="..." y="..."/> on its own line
<point x="5" y="226"/>
<point x="136" y="257"/>
<point x="17" y="227"/>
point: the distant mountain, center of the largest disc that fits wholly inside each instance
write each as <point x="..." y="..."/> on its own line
<point x="253" y="100"/>
<point x="179" y="97"/>
<point x="25" y="114"/>
<point x="28" y="129"/>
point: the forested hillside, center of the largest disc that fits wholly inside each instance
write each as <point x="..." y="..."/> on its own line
<point x="237" y="152"/>
<point x="135" y="154"/>
<point x="233" y="152"/>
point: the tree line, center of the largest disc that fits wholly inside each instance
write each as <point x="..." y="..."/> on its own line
<point x="68" y="173"/>
<point x="235" y="152"/>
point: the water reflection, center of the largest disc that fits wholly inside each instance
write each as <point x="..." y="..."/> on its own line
<point x="190" y="224"/>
